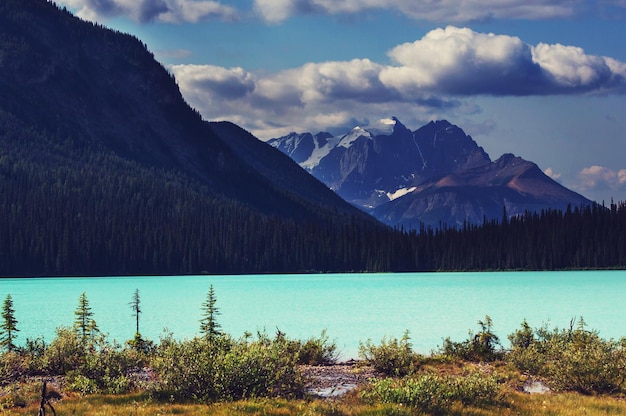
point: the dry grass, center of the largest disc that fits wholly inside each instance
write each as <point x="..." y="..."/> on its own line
<point x="140" y="404"/>
<point x="24" y="400"/>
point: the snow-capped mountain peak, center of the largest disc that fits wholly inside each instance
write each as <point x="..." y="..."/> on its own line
<point x="354" y="134"/>
<point x="434" y="174"/>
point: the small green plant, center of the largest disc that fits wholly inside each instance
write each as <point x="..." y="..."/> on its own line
<point x="393" y="357"/>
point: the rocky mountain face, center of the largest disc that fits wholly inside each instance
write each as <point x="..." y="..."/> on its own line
<point x="431" y="176"/>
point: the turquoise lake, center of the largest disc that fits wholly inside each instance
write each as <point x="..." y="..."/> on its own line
<point x="351" y="307"/>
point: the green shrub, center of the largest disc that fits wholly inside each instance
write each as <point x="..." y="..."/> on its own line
<point x="317" y="351"/>
<point x="220" y="368"/>
<point x="187" y="369"/>
<point x="12" y="367"/>
<point x="65" y="353"/>
<point x="483" y="346"/>
<point x="574" y="359"/>
<point x="104" y="370"/>
<point x="476" y="389"/>
<point x="96" y="366"/>
<point x="33" y="354"/>
<point x="12" y="396"/>
<point x="392" y="357"/>
<point x="143" y="346"/>
<point x="435" y="394"/>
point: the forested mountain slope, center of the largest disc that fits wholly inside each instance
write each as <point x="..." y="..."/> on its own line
<point x="104" y="169"/>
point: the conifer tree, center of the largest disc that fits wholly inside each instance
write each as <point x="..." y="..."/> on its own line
<point x="84" y="324"/>
<point x="138" y="343"/>
<point x="209" y="327"/>
<point x="9" y="325"/>
<point x="135" y="306"/>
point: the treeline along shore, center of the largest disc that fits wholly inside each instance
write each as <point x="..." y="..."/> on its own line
<point x="53" y="228"/>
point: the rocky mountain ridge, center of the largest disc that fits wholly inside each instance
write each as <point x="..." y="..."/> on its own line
<point x="432" y="176"/>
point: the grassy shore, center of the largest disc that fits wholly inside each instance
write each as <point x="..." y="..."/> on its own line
<point x="513" y="402"/>
<point x="579" y="374"/>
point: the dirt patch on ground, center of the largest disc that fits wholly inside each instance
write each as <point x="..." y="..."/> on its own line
<point x="332" y="381"/>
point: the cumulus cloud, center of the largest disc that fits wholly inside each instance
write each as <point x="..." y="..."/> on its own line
<point x="463" y="62"/>
<point x="438" y="73"/>
<point x="600" y="178"/>
<point x="172" y="11"/>
<point x="552" y="174"/>
<point x="213" y="81"/>
<point x="450" y="11"/>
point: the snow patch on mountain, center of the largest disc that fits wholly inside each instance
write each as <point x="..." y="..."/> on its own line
<point x="320" y="152"/>
<point x="356" y="133"/>
<point x="400" y="192"/>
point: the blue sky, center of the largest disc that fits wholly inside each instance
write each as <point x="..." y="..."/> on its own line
<point x="544" y="80"/>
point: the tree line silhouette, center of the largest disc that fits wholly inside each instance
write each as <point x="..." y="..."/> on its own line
<point x="93" y="213"/>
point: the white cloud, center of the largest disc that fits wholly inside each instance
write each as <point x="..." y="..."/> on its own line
<point x="213" y="83"/>
<point x="450" y="11"/>
<point x="552" y="174"/>
<point x="596" y="177"/>
<point x="569" y="66"/>
<point x="172" y="11"/>
<point x="433" y="75"/>
<point x="463" y="62"/>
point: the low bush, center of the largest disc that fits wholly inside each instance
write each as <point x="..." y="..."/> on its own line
<point x="431" y="393"/>
<point x="573" y="359"/>
<point x="483" y="346"/>
<point x="12" y="367"/>
<point x="317" y="351"/>
<point x="220" y="368"/>
<point x="93" y="366"/>
<point x="393" y="357"/>
<point x="64" y="354"/>
<point x="105" y="370"/>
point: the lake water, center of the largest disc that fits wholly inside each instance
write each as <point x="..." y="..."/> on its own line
<point x="351" y="307"/>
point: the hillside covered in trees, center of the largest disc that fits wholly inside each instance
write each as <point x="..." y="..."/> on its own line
<point x="105" y="170"/>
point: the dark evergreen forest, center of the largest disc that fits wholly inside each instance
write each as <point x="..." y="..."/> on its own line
<point x="90" y="212"/>
<point x="589" y="237"/>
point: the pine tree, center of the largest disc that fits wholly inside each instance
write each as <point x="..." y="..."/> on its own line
<point x="9" y="325"/>
<point x="135" y="306"/>
<point x="84" y="324"/>
<point x="209" y="327"/>
<point x="138" y="343"/>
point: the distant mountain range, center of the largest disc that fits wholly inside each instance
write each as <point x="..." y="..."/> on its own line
<point x="431" y="176"/>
